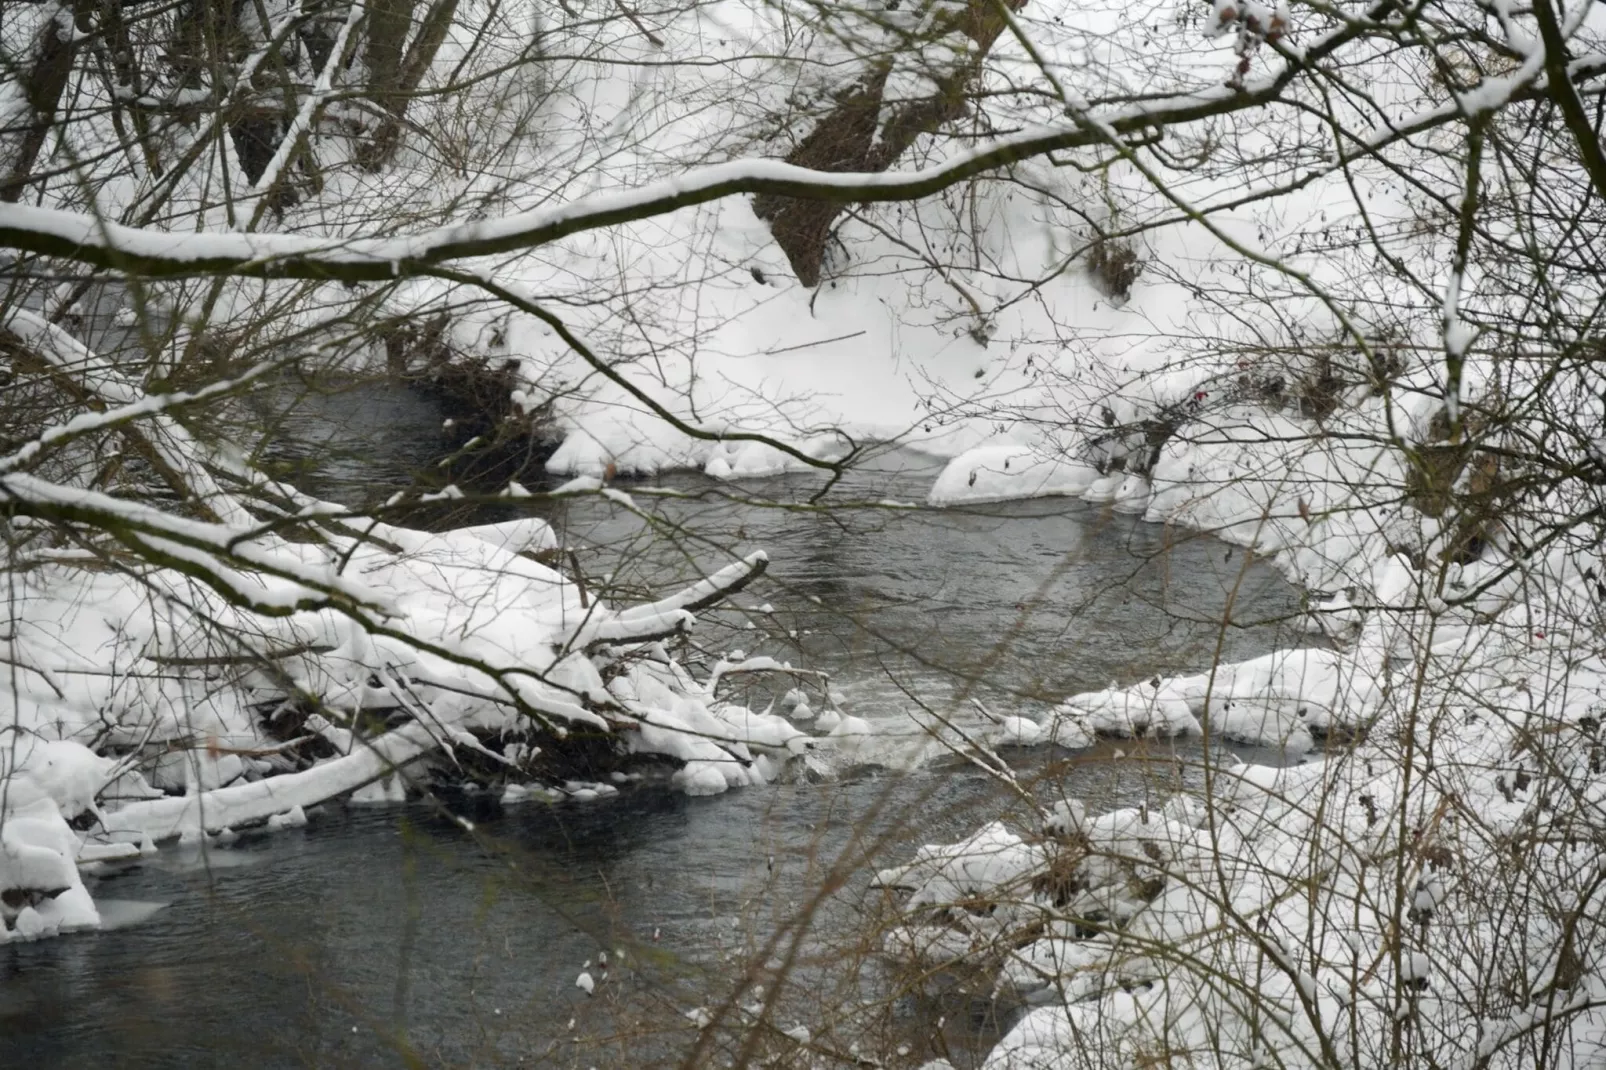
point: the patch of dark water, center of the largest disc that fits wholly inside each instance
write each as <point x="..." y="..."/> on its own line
<point x="391" y="936"/>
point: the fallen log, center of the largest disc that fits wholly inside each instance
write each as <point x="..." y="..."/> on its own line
<point x="255" y="803"/>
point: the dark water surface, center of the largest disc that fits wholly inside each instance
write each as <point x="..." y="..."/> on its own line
<point x="381" y="936"/>
<point x="393" y="936"/>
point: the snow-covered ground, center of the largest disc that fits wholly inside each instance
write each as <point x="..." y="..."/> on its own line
<point x="1352" y="909"/>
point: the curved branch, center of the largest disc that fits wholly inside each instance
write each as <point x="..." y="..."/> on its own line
<point x="91" y="240"/>
<point x="613" y="375"/>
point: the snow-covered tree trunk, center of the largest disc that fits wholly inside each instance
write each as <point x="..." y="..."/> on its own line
<point x="27" y="117"/>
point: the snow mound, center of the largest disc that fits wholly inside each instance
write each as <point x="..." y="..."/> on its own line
<point x="67" y="774"/>
<point x="989" y="860"/>
<point x="1001" y="472"/>
<point x="41" y="892"/>
<point x="1281" y="699"/>
<point x="1318" y="689"/>
<point x="1124" y="713"/>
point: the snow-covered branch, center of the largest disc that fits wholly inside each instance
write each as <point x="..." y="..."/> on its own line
<point x="92" y="240"/>
<point x="172" y="449"/>
<point x="668" y="616"/>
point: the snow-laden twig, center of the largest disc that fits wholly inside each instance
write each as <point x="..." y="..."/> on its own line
<point x="151" y="405"/>
<point x="667" y="616"/>
<point x="759" y="664"/>
<point x="92" y="373"/>
<point x="706" y="592"/>
<point x="1457" y="335"/>
<point x="218" y="551"/>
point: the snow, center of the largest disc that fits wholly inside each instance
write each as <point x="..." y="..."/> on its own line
<point x="1132" y="495"/>
<point x="700" y="777"/>
<point x="1264" y="724"/>
<point x="66" y="774"/>
<point x="462" y="632"/>
<point x="45" y="782"/>
<point x="1320" y="510"/>
<point x="851" y="728"/>
<point x="1278" y="700"/>
<point x="1068" y="818"/>
<point x="1006" y="471"/>
<point x="883" y="353"/>
<point x="1103" y="489"/>
<point x="1017" y="732"/>
<point x="525" y="535"/>
<point x="1468" y="686"/>
<point x="161" y="252"/>
<point x="990" y="860"/>
<point x="1138" y="711"/>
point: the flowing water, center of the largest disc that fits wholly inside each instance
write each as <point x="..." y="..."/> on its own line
<point x="393" y="936"/>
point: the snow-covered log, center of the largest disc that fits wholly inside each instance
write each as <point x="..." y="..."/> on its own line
<point x="667" y="616"/>
<point x="242" y="805"/>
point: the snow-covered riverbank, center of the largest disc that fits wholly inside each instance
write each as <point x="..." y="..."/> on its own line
<point x="1353" y="909"/>
<point x="146" y="707"/>
<point x="226" y="736"/>
<point x="1320" y="281"/>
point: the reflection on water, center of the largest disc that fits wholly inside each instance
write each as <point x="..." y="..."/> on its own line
<point x="386" y="936"/>
<point x="352" y="441"/>
<point x="1021" y="603"/>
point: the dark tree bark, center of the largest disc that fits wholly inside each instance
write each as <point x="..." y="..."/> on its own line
<point x="207" y="40"/>
<point x="842" y="141"/>
<point x="48" y="66"/>
<point x="256" y="136"/>
<point x="845" y="139"/>
<point x="116" y="50"/>
<point x="421" y="53"/>
<point x="388" y="23"/>
<point x="403" y="81"/>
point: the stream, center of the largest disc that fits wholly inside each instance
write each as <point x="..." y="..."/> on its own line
<point x="392" y="936"/>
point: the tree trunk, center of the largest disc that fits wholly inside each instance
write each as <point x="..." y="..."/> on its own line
<point x="48" y="66"/>
<point x="116" y="47"/>
<point x="846" y="138"/>
<point x="407" y="77"/>
<point x="388" y="23"/>
<point x="256" y="135"/>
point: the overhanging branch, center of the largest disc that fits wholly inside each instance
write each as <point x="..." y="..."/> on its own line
<point x="101" y="243"/>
